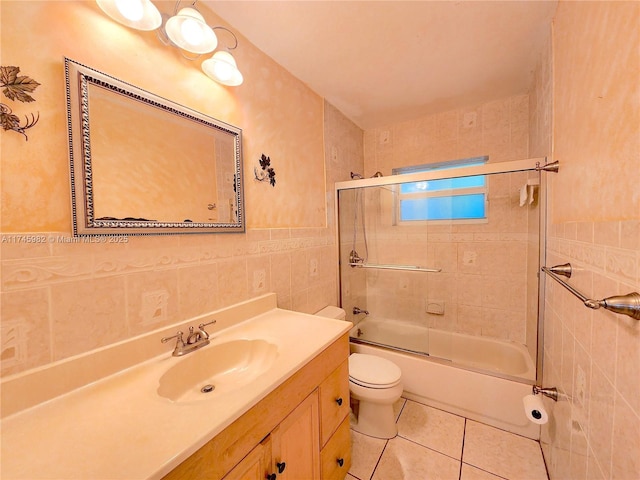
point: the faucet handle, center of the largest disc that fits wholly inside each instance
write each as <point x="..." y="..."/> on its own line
<point x="203" y="332"/>
<point x="178" y="335"/>
<point x="179" y="348"/>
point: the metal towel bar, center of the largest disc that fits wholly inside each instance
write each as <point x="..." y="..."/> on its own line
<point x="356" y="260"/>
<point x="628" y="304"/>
<point x="412" y="268"/>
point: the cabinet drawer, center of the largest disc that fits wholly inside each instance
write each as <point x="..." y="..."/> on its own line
<point x="336" y="455"/>
<point x="334" y="401"/>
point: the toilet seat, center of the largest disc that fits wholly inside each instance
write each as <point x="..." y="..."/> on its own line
<point x="370" y="371"/>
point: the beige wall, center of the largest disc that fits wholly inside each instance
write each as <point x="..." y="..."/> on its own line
<point x="59" y="298"/>
<point x="593" y="357"/>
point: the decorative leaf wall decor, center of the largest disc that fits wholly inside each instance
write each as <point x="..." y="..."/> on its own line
<point x="267" y="173"/>
<point x="16" y="87"/>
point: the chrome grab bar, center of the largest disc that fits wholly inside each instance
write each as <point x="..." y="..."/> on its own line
<point x="412" y="268"/>
<point x="628" y="304"/>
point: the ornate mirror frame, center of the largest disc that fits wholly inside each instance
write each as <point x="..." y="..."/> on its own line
<point x="79" y="79"/>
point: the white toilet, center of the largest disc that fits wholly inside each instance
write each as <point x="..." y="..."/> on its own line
<point x="375" y="384"/>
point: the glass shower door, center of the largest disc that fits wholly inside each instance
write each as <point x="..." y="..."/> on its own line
<point x="462" y="291"/>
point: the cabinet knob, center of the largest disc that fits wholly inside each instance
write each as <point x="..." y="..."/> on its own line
<point x="271" y="477"/>
<point x="281" y="466"/>
<point x="340" y="461"/>
<point x="339" y="401"/>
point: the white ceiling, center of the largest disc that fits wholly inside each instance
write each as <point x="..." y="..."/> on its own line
<point x="381" y="62"/>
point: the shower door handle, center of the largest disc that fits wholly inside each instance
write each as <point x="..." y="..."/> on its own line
<point x="410" y="268"/>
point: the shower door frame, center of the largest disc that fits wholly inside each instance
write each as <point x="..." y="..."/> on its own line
<point x="526" y="165"/>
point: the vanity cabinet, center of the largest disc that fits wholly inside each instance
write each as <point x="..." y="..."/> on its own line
<point x="303" y="423"/>
<point x="290" y="452"/>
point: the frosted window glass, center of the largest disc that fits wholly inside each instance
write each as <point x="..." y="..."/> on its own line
<point x="458" y="207"/>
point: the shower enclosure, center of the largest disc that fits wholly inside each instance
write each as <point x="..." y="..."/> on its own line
<point x="444" y="265"/>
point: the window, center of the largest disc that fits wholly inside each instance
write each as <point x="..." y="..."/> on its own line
<point x="459" y="199"/>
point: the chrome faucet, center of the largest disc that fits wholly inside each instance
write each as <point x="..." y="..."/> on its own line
<point x="195" y="340"/>
<point x="357" y="311"/>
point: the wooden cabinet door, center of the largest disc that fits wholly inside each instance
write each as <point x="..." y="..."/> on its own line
<point x="255" y="466"/>
<point x="296" y="443"/>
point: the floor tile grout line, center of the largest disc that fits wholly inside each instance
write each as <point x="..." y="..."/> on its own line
<point x="483" y="469"/>
<point x="404" y="404"/>
<point x="373" y="472"/>
<point x="544" y="460"/>
<point x="464" y="432"/>
<point x="429" y="448"/>
<point x="387" y="442"/>
<point x="501" y="429"/>
<point x="407" y="400"/>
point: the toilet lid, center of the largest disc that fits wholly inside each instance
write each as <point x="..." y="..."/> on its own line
<point x="372" y="370"/>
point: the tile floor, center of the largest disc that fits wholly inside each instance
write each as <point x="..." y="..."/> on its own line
<point x="434" y="444"/>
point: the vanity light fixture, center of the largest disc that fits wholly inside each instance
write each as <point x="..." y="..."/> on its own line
<point x="186" y="29"/>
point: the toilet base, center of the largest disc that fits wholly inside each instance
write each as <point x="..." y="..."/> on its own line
<point x="375" y="420"/>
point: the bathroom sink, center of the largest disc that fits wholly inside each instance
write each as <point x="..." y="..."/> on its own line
<point x="217" y="369"/>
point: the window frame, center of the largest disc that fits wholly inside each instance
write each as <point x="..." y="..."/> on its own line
<point x="446" y="165"/>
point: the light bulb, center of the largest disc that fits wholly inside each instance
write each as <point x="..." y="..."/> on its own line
<point x="222" y="68"/>
<point x="223" y="71"/>
<point x="138" y="14"/>
<point x="191" y="32"/>
<point x="130" y="9"/>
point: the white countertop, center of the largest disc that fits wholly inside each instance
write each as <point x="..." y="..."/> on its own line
<point x="120" y="428"/>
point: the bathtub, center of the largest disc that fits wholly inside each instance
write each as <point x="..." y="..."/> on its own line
<point x="453" y="376"/>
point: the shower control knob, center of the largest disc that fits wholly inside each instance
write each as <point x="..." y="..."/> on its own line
<point x="339" y="401"/>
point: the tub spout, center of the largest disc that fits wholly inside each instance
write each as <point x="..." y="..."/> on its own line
<point x="357" y="311"/>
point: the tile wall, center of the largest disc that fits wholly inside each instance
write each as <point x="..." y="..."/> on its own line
<point x="498" y="129"/>
<point x="592" y="356"/>
<point x="484" y="291"/>
<point x="482" y="287"/>
<point x="590" y="85"/>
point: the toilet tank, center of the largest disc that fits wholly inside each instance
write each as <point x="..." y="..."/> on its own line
<point x="332" y="312"/>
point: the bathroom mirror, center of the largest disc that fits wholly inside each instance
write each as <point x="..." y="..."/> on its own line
<point x="141" y="164"/>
